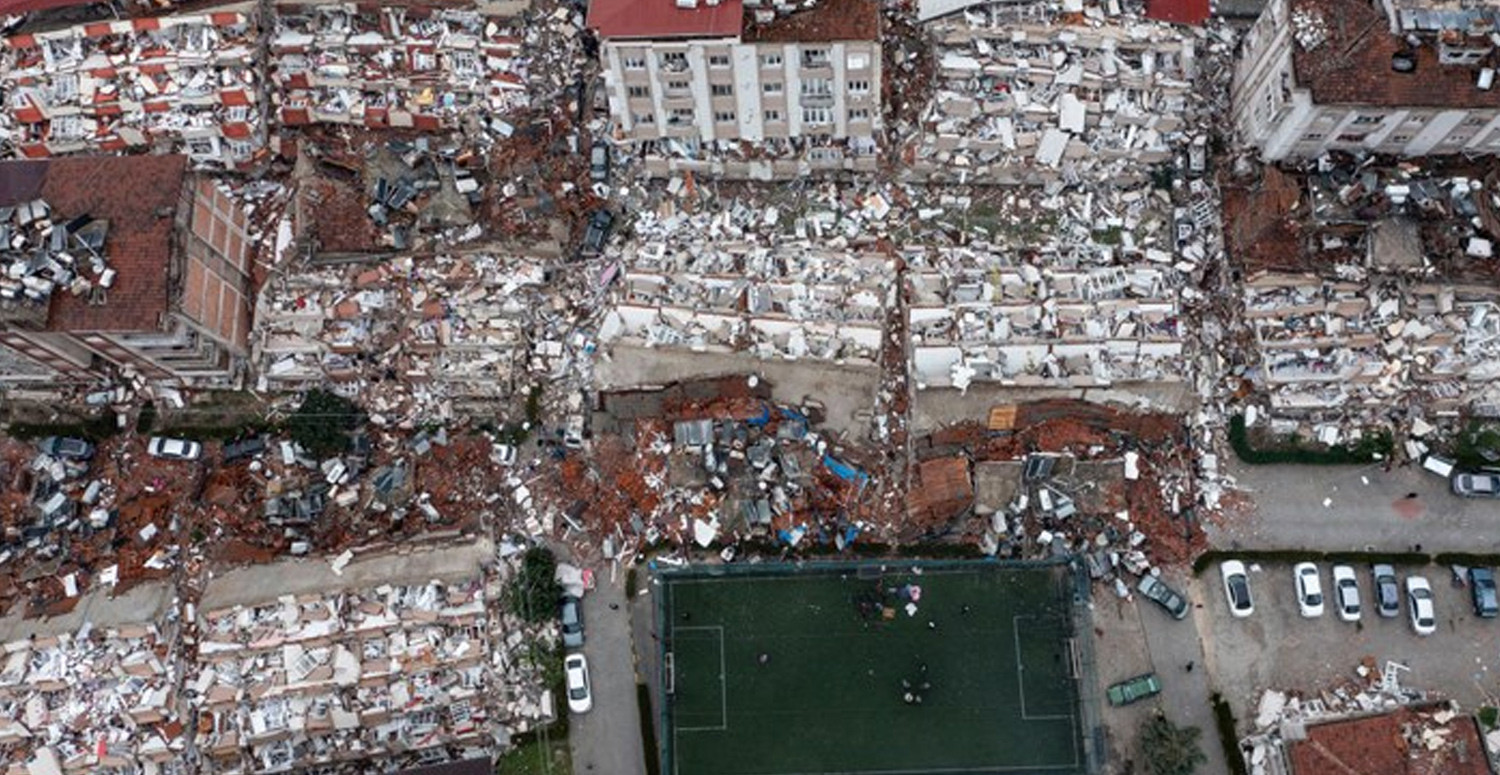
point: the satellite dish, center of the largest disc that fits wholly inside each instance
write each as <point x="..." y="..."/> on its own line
<point x="1404" y="62"/>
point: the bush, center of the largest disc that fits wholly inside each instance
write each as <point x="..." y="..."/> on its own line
<point x="321" y="425"/>
<point x="534" y="592"/>
<point x="146" y="420"/>
<point x="1372" y="448"/>
<point x="1489" y="715"/>
<point x="93" y="429"/>
<point x="1467" y="559"/>
<point x="1169" y="749"/>
<point x="1229" y="739"/>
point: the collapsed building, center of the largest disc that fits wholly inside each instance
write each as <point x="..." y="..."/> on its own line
<point x="185" y="83"/>
<point x="102" y="700"/>
<point x="1401" y="77"/>
<point x="743" y="89"/>
<point x="124" y="265"/>
<point x="1369" y="291"/>
<point x="1041" y="92"/>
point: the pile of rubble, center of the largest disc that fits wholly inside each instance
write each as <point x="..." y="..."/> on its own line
<point x="177" y="81"/>
<point x="39" y="256"/>
<point x="317" y="679"/>
<point x="1030" y="93"/>
<point x="98" y="700"/>
<point x="394" y="66"/>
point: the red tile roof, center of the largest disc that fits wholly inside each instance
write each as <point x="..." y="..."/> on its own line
<point x="1353" y="65"/>
<point x="1379" y="745"/>
<point x="138" y="195"/>
<point x="27" y="6"/>
<point x="650" y="19"/>
<point x="828" y="21"/>
<point x="1178" y="11"/>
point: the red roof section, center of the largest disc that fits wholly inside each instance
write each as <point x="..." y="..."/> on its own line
<point x="828" y="21"/>
<point x="1353" y="65"/>
<point x="138" y="195"/>
<point x="1178" y="11"/>
<point x="27" y="6"/>
<point x="663" y="19"/>
<point x="1380" y="745"/>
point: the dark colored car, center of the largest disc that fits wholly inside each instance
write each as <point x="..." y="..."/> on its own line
<point x="66" y="447"/>
<point x="1154" y="589"/>
<point x="572" y="622"/>
<point x="1482" y="586"/>
<point x="1387" y="591"/>
<point x="245" y="449"/>
<point x="1137" y="688"/>
<point x="601" y="224"/>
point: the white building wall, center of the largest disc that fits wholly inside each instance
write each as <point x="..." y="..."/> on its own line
<point x="747" y="109"/>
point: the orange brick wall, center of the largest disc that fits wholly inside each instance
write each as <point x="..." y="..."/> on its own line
<point x="216" y="277"/>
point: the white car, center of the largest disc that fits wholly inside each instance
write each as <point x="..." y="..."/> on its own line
<point x="174" y="449"/>
<point x="1237" y="588"/>
<point x="1346" y="593"/>
<point x="1419" y="602"/>
<point x="1309" y="590"/>
<point x="580" y="699"/>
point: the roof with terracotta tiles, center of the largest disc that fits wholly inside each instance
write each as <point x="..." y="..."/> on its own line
<point x="1352" y="66"/>
<point x="138" y="196"/>
<point x="828" y="21"/>
<point x="1383" y="745"/>
<point x="654" y="19"/>
<point x="1178" y="11"/>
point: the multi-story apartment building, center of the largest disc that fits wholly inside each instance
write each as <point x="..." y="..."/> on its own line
<point x="120" y="263"/>
<point x="697" y="71"/>
<point x="1411" y="78"/>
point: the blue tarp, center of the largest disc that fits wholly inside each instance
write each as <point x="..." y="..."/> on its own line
<point x="765" y="417"/>
<point x="845" y="471"/>
<point x="796" y="417"/>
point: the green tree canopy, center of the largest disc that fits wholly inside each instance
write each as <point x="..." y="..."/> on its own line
<point x="321" y="425"/>
<point x="1169" y="749"/>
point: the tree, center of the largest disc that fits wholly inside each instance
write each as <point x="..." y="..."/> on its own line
<point x="322" y="423"/>
<point x="533" y="592"/>
<point x="1169" y="749"/>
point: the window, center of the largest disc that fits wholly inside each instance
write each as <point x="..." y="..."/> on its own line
<point x="724" y="116"/>
<point x="1312" y="137"/>
<point x="239" y="148"/>
<point x="1457" y="139"/>
<point x="1368" y="119"/>
<point x="1475" y="121"/>
<point x="773" y="115"/>
<point x="817" y="87"/>
<point x="770" y="60"/>
<point x="677" y="86"/>
<point x="645" y="118"/>
<point x="637" y="91"/>
<point x="859" y="114"/>
<point x="815" y="116"/>
<point x="681" y="116"/>
<point x="859" y="87"/>
<point x="815" y="57"/>
<point x="722" y="90"/>
<point x="674" y="60"/>
<point x="635" y="63"/>
<point x="1399" y="139"/>
<point x="718" y="60"/>
<point x="237" y="113"/>
<point x="772" y="87"/>
<point x="1351" y="137"/>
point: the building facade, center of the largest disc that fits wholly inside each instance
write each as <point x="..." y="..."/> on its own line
<point x="149" y="272"/>
<point x="1341" y="75"/>
<point x="692" y="74"/>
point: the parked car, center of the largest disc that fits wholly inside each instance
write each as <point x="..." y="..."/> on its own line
<point x="174" y="449"/>
<point x="572" y="622"/>
<point x="1237" y="588"/>
<point x="503" y="454"/>
<point x="1137" y="688"/>
<point x="1157" y="590"/>
<point x="1482" y="587"/>
<point x="1387" y="592"/>
<point x="580" y="699"/>
<point x="1346" y="593"/>
<point x="66" y="447"/>
<point x="1480" y="485"/>
<point x="599" y="162"/>
<point x="601" y="223"/>
<point x="1419" y="603"/>
<point x="236" y="451"/>
<point x="1309" y="590"/>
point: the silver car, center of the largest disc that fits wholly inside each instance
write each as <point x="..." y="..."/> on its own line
<point x="1480" y="485"/>
<point x="174" y="449"/>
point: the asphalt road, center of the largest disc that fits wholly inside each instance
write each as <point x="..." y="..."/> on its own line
<point x="1173" y="646"/>
<point x="607" y="739"/>
<point x="1354" y="508"/>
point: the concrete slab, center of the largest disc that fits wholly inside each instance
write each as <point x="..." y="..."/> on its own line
<point x="142" y="603"/>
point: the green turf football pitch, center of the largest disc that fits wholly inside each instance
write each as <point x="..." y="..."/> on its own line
<point x="781" y="674"/>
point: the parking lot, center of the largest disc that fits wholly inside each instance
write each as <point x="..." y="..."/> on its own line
<point x="1276" y="648"/>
